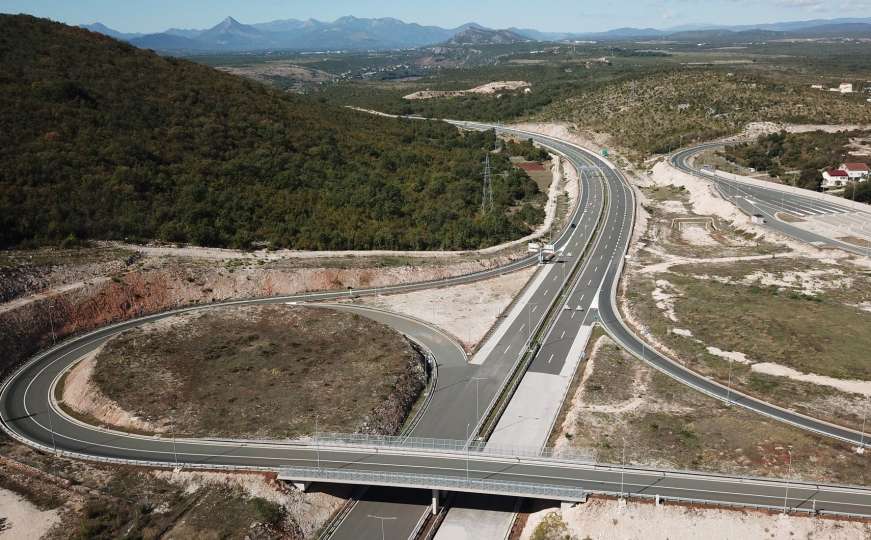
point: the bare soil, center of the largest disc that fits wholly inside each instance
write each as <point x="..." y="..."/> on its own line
<point x="263" y="371"/>
<point x="79" y="500"/>
<point x="601" y="519"/>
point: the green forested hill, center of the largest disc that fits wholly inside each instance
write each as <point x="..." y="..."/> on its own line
<point x="100" y="140"/>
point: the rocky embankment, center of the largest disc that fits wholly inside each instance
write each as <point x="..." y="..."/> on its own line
<point x="153" y="285"/>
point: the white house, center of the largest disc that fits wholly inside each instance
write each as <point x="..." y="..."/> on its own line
<point x="833" y="178"/>
<point x="856" y="171"/>
<point x="846" y="88"/>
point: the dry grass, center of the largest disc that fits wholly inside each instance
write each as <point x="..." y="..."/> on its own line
<point x="823" y="334"/>
<point x="664" y="423"/>
<point x="262" y="371"/>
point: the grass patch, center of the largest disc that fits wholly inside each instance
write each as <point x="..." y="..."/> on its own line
<point x="270" y="371"/>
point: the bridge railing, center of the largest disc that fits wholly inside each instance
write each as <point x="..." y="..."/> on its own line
<point x="448" y="445"/>
<point x="430" y="481"/>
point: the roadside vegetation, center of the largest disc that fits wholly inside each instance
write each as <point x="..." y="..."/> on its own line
<point x="93" y="149"/>
<point x="263" y="371"/>
<point x="663" y="111"/>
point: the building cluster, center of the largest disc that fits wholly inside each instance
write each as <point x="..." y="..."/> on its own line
<point x="847" y="172"/>
<point x="843" y="88"/>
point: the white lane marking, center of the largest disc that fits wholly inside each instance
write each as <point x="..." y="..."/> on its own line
<point x="534" y="308"/>
<point x="551" y="358"/>
<point x="546" y="291"/>
<point x="522" y="327"/>
<point x="563" y="334"/>
<point x="506" y="349"/>
<point x="589" y="283"/>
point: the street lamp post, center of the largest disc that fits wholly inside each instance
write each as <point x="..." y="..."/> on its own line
<point x="172" y="428"/>
<point x="477" y="407"/>
<point x="51" y="322"/>
<point x="788" y="473"/>
<point x="861" y="449"/>
<point x="729" y="387"/>
<point x="623" y="469"/>
<point x="383" y="519"/>
<point x="317" y="444"/>
<point x="51" y="428"/>
<point x="468" y="429"/>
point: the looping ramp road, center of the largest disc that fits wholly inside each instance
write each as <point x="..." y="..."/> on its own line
<point x="28" y="414"/>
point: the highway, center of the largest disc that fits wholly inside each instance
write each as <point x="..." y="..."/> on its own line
<point x="463" y="393"/>
<point x="769" y="201"/>
<point x="458" y="400"/>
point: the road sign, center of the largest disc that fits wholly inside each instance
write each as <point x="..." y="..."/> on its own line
<point x="605" y="152"/>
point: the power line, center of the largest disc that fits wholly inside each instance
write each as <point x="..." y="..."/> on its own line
<point x="487" y="194"/>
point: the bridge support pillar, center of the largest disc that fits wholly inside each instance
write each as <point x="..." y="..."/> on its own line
<point x="302" y="486"/>
<point x="435" y="502"/>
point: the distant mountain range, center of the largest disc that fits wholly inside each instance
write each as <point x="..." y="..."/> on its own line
<point x="346" y="33"/>
<point x="352" y="33"/>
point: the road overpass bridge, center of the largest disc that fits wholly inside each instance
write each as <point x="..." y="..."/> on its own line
<point x="452" y="466"/>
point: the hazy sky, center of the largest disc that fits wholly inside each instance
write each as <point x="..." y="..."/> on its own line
<point x="555" y="15"/>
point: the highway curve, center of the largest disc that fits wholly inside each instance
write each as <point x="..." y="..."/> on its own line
<point x="27" y="414"/>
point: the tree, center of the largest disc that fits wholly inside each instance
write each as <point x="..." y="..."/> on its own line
<point x="810" y="179"/>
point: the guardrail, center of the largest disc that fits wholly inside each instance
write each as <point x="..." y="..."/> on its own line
<point x="431" y="481"/>
<point x="453" y="446"/>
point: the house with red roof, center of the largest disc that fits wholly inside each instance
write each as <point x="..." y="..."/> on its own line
<point x="856" y="171"/>
<point x="833" y="178"/>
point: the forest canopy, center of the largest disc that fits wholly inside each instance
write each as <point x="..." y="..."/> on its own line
<point x="100" y="140"/>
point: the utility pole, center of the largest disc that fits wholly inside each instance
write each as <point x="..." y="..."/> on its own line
<point x="383" y="519"/>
